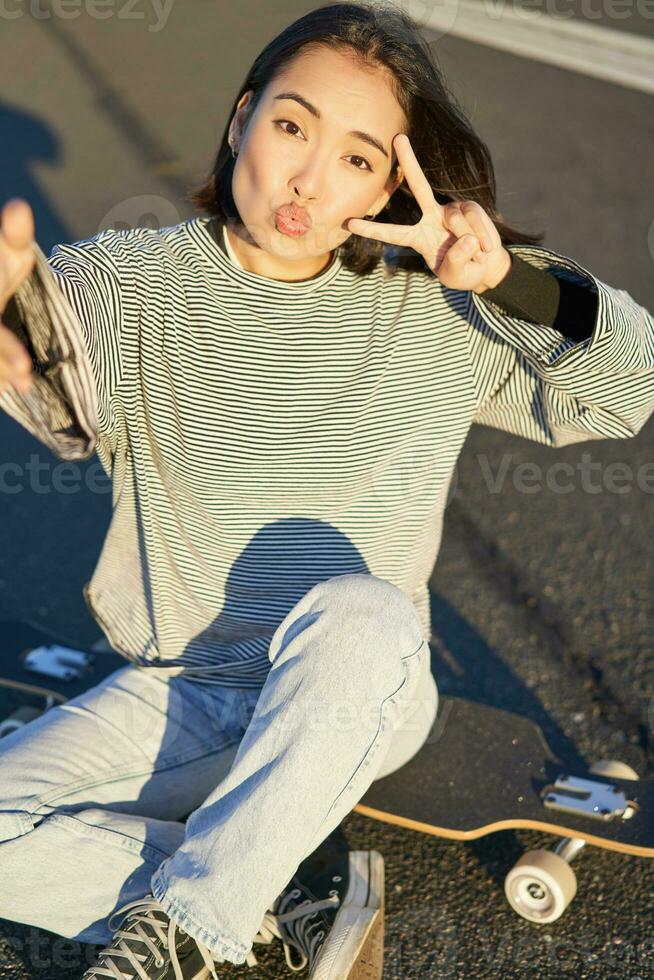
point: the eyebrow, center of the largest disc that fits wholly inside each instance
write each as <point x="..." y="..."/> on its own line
<point x="357" y="133"/>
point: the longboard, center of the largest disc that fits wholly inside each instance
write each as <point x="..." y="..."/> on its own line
<point x="482" y="770"/>
<point x="37" y="662"/>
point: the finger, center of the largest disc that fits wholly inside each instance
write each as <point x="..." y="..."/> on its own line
<point x="17" y="223"/>
<point x="462" y="252"/>
<point x="8" y="377"/>
<point x="17" y="254"/>
<point x="393" y="234"/>
<point x="481" y="225"/>
<point x="458" y="223"/>
<point x="415" y="178"/>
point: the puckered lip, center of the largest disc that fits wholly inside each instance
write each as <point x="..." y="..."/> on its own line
<point x="296" y="213"/>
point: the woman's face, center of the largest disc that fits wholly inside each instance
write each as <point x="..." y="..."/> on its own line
<point x="286" y="154"/>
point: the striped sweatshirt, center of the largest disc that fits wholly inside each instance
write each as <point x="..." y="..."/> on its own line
<point x="263" y="435"/>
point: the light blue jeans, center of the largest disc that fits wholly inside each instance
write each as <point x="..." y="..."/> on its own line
<point x="93" y="793"/>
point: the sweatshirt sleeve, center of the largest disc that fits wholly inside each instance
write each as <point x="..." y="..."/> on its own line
<point x="534" y="381"/>
<point x="68" y="313"/>
<point x="538" y="295"/>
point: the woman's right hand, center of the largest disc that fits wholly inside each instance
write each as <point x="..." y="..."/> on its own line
<point x="16" y="263"/>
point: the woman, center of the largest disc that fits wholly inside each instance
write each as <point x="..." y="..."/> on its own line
<point x="280" y="390"/>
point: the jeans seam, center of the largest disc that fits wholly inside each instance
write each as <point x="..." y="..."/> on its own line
<point x="415" y="652"/>
<point x="125" y="772"/>
<point x="367" y="758"/>
<point x="117" y="838"/>
<point x="23" y="817"/>
<point x="365" y="761"/>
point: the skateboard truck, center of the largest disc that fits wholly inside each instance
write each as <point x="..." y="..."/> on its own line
<point x="541" y="885"/>
<point x="57" y="661"/>
<point x="40" y="664"/>
<point x="587" y="798"/>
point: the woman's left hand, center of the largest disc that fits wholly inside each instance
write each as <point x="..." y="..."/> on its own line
<point x="458" y="241"/>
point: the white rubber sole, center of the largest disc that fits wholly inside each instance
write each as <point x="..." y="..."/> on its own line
<point x="354" y="949"/>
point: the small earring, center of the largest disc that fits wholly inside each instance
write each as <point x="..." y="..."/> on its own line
<point x="234" y="152"/>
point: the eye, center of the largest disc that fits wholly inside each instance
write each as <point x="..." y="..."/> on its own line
<point x="354" y="157"/>
<point x="278" y="122"/>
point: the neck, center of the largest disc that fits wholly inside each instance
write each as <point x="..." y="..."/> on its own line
<point x="254" y="259"/>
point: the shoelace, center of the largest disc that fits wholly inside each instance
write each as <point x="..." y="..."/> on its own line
<point x="303" y="935"/>
<point x="143" y="914"/>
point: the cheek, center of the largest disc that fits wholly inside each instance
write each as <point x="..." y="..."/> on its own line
<point x="249" y="183"/>
<point x="353" y="204"/>
<point x="263" y="174"/>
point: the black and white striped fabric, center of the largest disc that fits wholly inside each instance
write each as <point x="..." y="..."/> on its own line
<point x="265" y="435"/>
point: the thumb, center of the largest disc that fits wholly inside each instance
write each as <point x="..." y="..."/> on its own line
<point x="457" y="266"/>
<point x="459" y="254"/>
<point x="17" y="223"/>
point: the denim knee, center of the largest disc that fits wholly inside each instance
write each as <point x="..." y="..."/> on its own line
<point x="384" y="605"/>
<point x="353" y="617"/>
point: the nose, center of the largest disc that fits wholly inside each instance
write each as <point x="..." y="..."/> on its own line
<point x="309" y="183"/>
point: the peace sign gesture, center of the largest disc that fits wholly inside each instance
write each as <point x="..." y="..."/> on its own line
<point x="458" y="241"/>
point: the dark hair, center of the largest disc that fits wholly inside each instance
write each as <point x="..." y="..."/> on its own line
<point x="454" y="159"/>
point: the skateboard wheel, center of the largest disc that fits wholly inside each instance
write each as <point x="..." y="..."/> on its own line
<point x="21" y="716"/>
<point x="540" y="886"/>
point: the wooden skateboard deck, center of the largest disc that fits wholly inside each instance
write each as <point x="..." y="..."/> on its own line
<point x="482" y="770"/>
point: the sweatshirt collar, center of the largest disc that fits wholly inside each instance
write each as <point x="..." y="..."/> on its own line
<point x="210" y="236"/>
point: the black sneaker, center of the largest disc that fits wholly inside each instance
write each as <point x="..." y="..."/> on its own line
<point x="331" y="915"/>
<point x="149" y="945"/>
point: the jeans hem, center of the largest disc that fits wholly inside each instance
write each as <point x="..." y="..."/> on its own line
<point x="230" y="950"/>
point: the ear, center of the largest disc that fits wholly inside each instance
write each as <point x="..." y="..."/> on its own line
<point x="239" y="118"/>
<point x="390" y="188"/>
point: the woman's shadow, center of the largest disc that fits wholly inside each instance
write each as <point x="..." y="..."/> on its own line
<point x="27" y="140"/>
